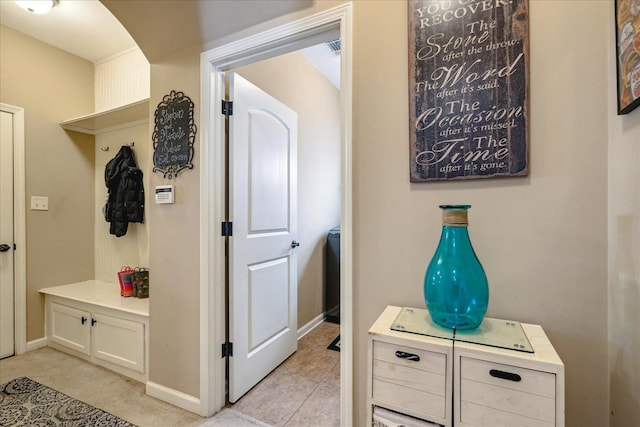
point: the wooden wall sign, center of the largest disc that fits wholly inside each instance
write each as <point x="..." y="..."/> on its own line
<point x="628" y="54"/>
<point x="468" y="89"/>
<point x="174" y="134"/>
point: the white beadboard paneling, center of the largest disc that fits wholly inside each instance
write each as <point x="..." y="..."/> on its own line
<point x="132" y="249"/>
<point x="121" y="80"/>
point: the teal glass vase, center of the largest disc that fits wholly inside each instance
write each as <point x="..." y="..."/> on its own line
<point x="456" y="291"/>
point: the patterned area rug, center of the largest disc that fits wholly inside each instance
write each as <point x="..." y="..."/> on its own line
<point x="24" y="402"/>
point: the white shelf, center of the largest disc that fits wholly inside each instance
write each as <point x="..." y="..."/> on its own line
<point x="109" y="120"/>
<point x="102" y="294"/>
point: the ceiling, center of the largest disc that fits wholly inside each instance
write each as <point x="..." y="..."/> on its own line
<point x="85" y="28"/>
<point x="162" y="28"/>
<point x="94" y="30"/>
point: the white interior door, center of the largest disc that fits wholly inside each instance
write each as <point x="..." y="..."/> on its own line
<point x="262" y="257"/>
<point x="7" y="289"/>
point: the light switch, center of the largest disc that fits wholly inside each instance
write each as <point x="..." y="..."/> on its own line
<point x="39" y="203"/>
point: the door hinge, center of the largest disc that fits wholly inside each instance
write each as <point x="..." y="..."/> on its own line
<point x="227" y="108"/>
<point x="227" y="349"/>
<point x="227" y="228"/>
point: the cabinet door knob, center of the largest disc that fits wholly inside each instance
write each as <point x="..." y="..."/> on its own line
<point x="4" y="247"/>
<point x="408" y="356"/>
<point x="505" y="375"/>
<point x="93" y="322"/>
<point x="84" y="320"/>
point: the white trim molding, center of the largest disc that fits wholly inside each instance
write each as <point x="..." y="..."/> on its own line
<point x="311" y="325"/>
<point x="19" y="228"/>
<point x="36" y="344"/>
<point x="214" y="63"/>
<point x="174" y="397"/>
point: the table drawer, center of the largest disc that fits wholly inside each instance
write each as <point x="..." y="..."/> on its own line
<point x="385" y="418"/>
<point x="415" y="402"/>
<point x="505" y="389"/>
<point x="481" y="416"/>
<point x="410" y="378"/>
<point x="402" y="355"/>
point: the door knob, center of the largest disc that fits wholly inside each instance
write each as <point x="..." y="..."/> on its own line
<point x="294" y="244"/>
<point x="4" y="247"/>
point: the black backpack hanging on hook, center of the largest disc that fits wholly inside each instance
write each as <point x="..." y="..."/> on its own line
<point x="125" y="201"/>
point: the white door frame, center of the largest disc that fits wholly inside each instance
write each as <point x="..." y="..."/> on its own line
<point x="19" y="229"/>
<point x="214" y="63"/>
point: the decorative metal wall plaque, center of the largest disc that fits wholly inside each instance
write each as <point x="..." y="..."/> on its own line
<point x="468" y="82"/>
<point x="174" y="134"/>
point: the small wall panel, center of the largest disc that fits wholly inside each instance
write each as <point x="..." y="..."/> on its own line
<point x="121" y="80"/>
<point x="132" y="249"/>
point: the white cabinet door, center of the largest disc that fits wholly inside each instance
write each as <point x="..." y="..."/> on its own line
<point x="81" y="320"/>
<point x="118" y="341"/>
<point x="70" y="328"/>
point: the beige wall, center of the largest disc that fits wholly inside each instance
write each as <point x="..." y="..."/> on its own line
<point x="174" y="231"/>
<point x="542" y="238"/>
<point x="295" y="82"/>
<point x="559" y="258"/>
<point x="174" y="241"/>
<point x="52" y="86"/>
<point x="624" y="255"/>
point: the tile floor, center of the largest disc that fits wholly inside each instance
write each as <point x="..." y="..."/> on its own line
<point x="104" y="389"/>
<point x="307" y="386"/>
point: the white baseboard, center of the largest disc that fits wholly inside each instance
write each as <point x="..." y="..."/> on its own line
<point x="191" y="403"/>
<point x="36" y="344"/>
<point x="174" y="397"/>
<point x="309" y="326"/>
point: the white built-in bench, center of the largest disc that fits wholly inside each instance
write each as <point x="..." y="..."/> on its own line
<point x="92" y="321"/>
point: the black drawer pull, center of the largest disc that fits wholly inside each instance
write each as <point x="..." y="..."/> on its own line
<point x="408" y="356"/>
<point x="505" y="375"/>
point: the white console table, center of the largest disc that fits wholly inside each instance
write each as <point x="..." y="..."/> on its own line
<point x="439" y="379"/>
<point x="92" y="321"/>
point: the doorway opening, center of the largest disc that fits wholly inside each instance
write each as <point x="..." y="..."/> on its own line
<point x="301" y="222"/>
<point x="319" y="28"/>
<point x="14" y="237"/>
